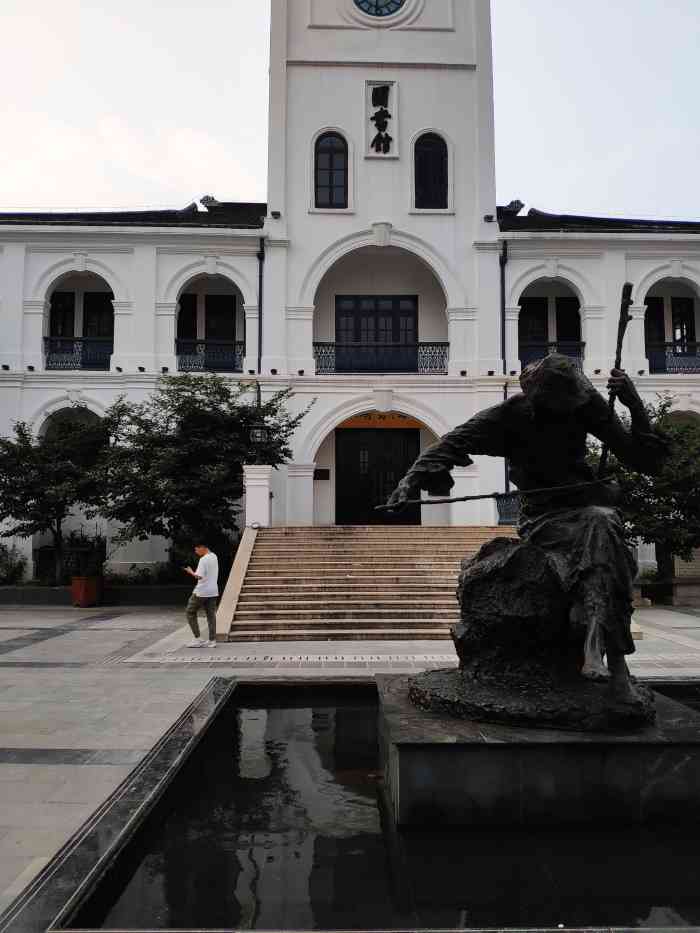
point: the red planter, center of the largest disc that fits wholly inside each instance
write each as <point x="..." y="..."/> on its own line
<point x="86" y="591"/>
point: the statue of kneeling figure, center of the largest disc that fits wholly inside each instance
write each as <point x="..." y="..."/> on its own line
<point x="538" y="614"/>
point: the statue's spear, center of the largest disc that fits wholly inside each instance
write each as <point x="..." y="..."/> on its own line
<point x="624" y="320"/>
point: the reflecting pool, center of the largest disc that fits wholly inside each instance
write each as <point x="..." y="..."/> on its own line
<point x="278" y="822"/>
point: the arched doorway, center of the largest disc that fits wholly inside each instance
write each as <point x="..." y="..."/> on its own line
<point x="210" y="332"/>
<point x="359" y="464"/>
<point x="380" y="310"/>
<point x="79" y="327"/>
<point x="549" y="322"/>
<point x="671" y="326"/>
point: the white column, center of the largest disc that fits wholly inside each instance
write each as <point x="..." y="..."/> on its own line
<point x="12" y="260"/>
<point x="488" y="289"/>
<point x="634" y="354"/>
<point x="34" y="326"/>
<point x="466" y="484"/>
<point x="250" y="361"/>
<point x="300" y="341"/>
<point x="256" y="479"/>
<point x="593" y="323"/>
<point x="513" y="362"/>
<point x="461" y="333"/>
<point x="166" y="320"/>
<point x="274" y="311"/>
<point x="124" y="356"/>
<point x="300" y="494"/>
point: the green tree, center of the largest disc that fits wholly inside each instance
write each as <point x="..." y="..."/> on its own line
<point x="46" y="477"/>
<point x="175" y="467"/>
<point x="665" y="510"/>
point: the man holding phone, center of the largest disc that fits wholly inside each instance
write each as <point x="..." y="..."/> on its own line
<point x="204" y="596"/>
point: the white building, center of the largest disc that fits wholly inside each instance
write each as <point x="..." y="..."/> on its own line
<point x="394" y="291"/>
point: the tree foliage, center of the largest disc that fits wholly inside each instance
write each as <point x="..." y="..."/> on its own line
<point x="665" y="509"/>
<point x="175" y="467"/>
<point x="44" y="477"/>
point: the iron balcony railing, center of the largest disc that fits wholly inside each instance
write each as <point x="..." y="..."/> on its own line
<point x="532" y="352"/>
<point x="673" y="358"/>
<point x="428" y="359"/>
<point x="78" y="352"/>
<point x="508" y="511"/>
<point x="212" y="356"/>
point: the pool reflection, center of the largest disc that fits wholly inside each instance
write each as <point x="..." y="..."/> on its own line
<point x="275" y="823"/>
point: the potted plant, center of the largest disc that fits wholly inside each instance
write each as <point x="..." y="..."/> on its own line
<point x="86" y="557"/>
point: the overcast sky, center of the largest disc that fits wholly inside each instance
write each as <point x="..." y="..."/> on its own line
<point x="147" y="103"/>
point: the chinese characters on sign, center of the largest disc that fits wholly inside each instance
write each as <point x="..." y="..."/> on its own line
<point x="382" y="119"/>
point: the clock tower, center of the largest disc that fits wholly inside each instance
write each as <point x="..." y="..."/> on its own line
<point x="381" y="132"/>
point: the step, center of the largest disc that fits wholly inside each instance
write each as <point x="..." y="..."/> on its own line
<point x="337" y="591"/>
<point x="370" y="599"/>
<point x="418" y="634"/>
<point x="345" y="531"/>
<point x="438" y="615"/>
<point x="366" y="562"/>
<point x="282" y="581"/>
<point x="320" y="625"/>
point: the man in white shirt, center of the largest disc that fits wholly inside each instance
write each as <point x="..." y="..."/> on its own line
<point x="204" y="596"/>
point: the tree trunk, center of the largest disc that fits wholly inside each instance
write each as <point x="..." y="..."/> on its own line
<point x="665" y="562"/>
<point x="58" y="553"/>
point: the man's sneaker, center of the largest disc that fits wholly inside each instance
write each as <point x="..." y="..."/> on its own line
<point x="197" y="643"/>
<point x="210" y="644"/>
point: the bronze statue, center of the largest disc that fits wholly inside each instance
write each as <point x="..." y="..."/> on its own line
<point x="576" y="600"/>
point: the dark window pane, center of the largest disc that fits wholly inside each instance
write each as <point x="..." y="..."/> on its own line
<point x="330" y="170"/>
<point x="98" y="315"/>
<point x="220" y="317"/>
<point x="683" y="318"/>
<point x="532" y="323"/>
<point x="654" y="325"/>
<point x="187" y="318"/>
<point x="568" y="319"/>
<point x="62" y="314"/>
<point x="431" y="172"/>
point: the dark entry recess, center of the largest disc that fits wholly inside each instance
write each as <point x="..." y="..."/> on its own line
<point x="369" y="464"/>
<point x="376" y="334"/>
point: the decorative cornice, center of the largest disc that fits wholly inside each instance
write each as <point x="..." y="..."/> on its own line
<point x="300" y="314"/>
<point x="462" y="314"/>
<point x="300" y="470"/>
<point x="34" y="305"/>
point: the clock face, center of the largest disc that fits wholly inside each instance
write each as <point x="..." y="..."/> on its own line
<point x="380" y="7"/>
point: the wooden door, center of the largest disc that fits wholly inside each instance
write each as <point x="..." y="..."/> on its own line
<point x="369" y="464"/>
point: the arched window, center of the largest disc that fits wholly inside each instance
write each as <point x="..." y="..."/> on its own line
<point x="80" y="323"/>
<point x="431" y="172"/>
<point x="331" y="172"/>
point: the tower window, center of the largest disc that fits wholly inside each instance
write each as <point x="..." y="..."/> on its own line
<point x="331" y="172"/>
<point x="431" y="172"/>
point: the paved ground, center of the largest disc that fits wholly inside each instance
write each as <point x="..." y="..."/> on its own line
<point x="85" y="693"/>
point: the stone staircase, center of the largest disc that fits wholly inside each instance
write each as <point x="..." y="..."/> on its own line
<point x="379" y="582"/>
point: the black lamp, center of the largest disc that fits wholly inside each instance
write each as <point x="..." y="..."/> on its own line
<point x="259" y="433"/>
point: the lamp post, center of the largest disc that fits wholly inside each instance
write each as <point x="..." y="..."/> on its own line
<point x="259" y="436"/>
